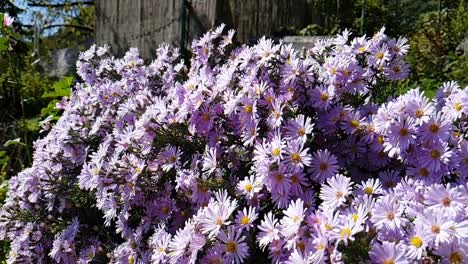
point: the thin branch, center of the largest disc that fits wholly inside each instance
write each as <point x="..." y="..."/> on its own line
<point x="59" y="5"/>
<point x="68" y="25"/>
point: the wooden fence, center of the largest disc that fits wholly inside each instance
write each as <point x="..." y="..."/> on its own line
<point x="147" y="23"/>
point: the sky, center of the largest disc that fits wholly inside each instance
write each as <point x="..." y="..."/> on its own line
<point x="31" y="13"/>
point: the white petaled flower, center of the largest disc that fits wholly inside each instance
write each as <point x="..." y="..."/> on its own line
<point x="210" y="161"/>
<point x="299" y="127"/>
<point x="171" y="158"/>
<point x="293" y="217"/>
<point x="417" y="242"/>
<point x="265" y="50"/>
<point x="346" y="231"/>
<point x="276" y="115"/>
<point x="269" y="230"/>
<point x="179" y="245"/>
<point x="388" y="213"/>
<point x="217" y="214"/>
<point x="446" y="199"/>
<point x="297" y="156"/>
<point x="370" y="187"/>
<point x="335" y="192"/>
<point x="246" y="218"/>
<point x="249" y="186"/>
<point x="437" y="226"/>
<point x="160" y="245"/>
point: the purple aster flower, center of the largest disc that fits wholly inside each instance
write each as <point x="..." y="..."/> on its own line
<point x="401" y="134"/>
<point x="453" y="252"/>
<point x="63" y="249"/>
<point x="323" y="165"/>
<point x="245" y="218"/>
<point x="297" y="155"/>
<point x="436" y="128"/>
<point x="388" y="252"/>
<point x="436" y="156"/>
<point x="299" y="127"/>
<point x="269" y="230"/>
<point x="322" y="96"/>
<point x="236" y="250"/>
<point x="335" y="192"/>
<point x="388" y="213"/>
<point x="445" y="199"/>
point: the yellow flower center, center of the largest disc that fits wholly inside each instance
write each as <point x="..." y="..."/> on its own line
<point x="345" y="232"/>
<point x="404" y="132"/>
<point x="248" y="187"/>
<point x="231" y="247"/>
<point x="324" y="96"/>
<point x="380" y="55"/>
<point x="456" y="258"/>
<point x="248" y="108"/>
<point x="380" y="139"/>
<point x="416" y="241"/>
<point x="296" y="219"/>
<point x="131" y="259"/>
<point x="295" y="157"/>
<point x="434" y="128"/>
<point x="424" y="172"/>
<point x="320" y="246"/>
<point x="354" y="123"/>
<point x="275" y="151"/>
<point x="279" y="177"/>
<point x="388" y="261"/>
<point x="435" y="154"/>
<point x="245" y="220"/>
<point x="206" y="117"/>
<point x="172" y="159"/>
<point x="301" y="132"/>
<point x="355" y="217"/>
<point x="419" y="113"/>
<point x="368" y="190"/>
<point x="328" y="227"/>
<point x="458" y="106"/>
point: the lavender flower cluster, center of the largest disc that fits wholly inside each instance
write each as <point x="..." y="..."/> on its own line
<point x="253" y="153"/>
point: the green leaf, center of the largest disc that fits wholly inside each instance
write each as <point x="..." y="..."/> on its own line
<point x="61" y="88"/>
<point x="31" y="124"/>
<point x="12" y="142"/>
<point x="3" y="43"/>
<point x="50" y="109"/>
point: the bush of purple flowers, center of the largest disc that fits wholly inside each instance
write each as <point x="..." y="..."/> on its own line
<point x="252" y="154"/>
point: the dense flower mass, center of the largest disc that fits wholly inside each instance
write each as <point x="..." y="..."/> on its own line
<point x="253" y="153"/>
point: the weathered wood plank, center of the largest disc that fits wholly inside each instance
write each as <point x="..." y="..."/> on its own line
<point x="147" y="23"/>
